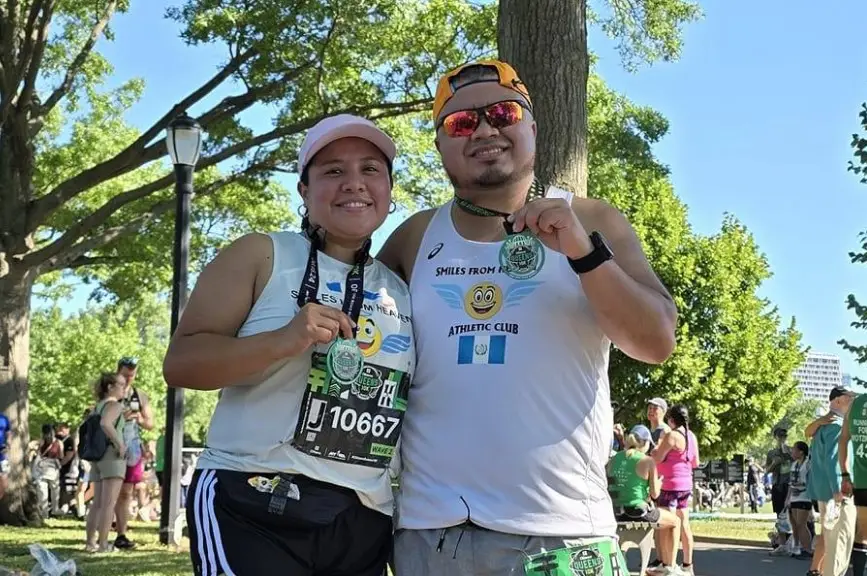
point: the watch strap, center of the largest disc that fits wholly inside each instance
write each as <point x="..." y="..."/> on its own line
<point x="601" y="253"/>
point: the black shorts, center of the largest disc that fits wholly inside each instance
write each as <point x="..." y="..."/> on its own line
<point x="801" y="505"/>
<point x="859" y="496"/>
<point x="779" y="492"/>
<point x="239" y="525"/>
<point x="649" y="514"/>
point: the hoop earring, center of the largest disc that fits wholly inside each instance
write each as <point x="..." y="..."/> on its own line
<point x="302" y="210"/>
<point x="393" y="208"/>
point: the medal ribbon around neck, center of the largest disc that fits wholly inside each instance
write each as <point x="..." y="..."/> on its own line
<point x="353" y="295"/>
<point x="537" y="190"/>
<point x="522" y="254"/>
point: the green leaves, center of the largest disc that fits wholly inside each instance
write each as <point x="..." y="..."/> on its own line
<point x="645" y="30"/>
<point x="68" y="353"/>
<point x="858" y="166"/>
<point x="734" y="359"/>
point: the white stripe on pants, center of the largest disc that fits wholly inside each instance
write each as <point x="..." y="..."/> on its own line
<point x="209" y="543"/>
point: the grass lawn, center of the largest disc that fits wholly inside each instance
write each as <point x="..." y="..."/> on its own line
<point x="65" y="538"/>
<point x="753" y="530"/>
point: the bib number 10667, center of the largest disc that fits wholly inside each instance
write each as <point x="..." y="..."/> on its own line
<point x="349" y="420"/>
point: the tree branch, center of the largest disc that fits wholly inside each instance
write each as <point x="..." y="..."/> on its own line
<point x="56" y="249"/>
<point x="77" y="252"/>
<point x="133" y="156"/>
<point x="37" y="48"/>
<point x="83" y="261"/>
<point x="79" y="60"/>
<point x="233" y="105"/>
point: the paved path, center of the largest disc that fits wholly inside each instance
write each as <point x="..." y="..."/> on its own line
<point x="726" y="560"/>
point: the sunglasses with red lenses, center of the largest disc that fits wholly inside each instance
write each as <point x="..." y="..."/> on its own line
<point x="463" y="123"/>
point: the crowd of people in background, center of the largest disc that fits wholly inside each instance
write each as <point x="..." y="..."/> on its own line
<point x="819" y="489"/>
<point x="650" y="479"/>
<point x="124" y="483"/>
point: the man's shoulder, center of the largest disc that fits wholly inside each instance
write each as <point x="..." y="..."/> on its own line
<point x="596" y="214"/>
<point x="400" y="249"/>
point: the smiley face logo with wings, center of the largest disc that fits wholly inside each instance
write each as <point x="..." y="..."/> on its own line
<point x="484" y="300"/>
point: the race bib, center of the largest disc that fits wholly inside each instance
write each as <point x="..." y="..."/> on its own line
<point x="354" y="420"/>
<point x="602" y="558"/>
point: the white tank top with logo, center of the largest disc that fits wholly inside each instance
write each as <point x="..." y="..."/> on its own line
<point x="510" y="421"/>
<point x="254" y="424"/>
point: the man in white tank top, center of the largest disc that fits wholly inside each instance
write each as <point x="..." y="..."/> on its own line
<point x="507" y="435"/>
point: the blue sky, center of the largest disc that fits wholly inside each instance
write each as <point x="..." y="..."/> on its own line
<point x="762" y="106"/>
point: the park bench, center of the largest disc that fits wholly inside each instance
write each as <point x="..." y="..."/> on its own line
<point x="636" y="535"/>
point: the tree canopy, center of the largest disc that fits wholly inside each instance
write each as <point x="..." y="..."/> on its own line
<point x="858" y="166"/>
<point x="735" y="358"/>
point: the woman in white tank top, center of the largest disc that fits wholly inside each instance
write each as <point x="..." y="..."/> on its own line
<point x="310" y="342"/>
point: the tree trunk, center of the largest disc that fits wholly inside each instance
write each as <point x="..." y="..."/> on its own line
<point x="18" y="507"/>
<point x="546" y="42"/>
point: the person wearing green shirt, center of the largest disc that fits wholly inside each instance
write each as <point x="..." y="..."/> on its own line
<point x="854" y="478"/>
<point x="633" y="483"/>
<point x="160" y="463"/>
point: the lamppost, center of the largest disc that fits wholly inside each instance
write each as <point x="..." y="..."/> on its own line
<point x="184" y="141"/>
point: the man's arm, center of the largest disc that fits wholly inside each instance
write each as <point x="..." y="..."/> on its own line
<point x="630" y="303"/>
<point x="771" y="463"/>
<point x="814" y="426"/>
<point x="68" y="455"/>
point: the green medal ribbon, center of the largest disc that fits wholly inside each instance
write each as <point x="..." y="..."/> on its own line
<point x="537" y="190"/>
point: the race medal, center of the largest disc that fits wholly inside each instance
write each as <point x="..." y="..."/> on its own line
<point x="522" y="255"/>
<point x="344" y="361"/>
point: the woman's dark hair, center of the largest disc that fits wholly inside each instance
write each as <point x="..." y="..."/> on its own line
<point x="679" y="414"/>
<point x="48" y="430"/>
<point x="802" y="446"/>
<point x="103" y="383"/>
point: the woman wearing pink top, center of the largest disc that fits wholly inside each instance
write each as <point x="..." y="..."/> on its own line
<point x="676" y="457"/>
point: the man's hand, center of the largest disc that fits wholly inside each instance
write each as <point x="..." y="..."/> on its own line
<point x="554" y="222"/>
<point x="315" y="324"/>
<point x="846" y="487"/>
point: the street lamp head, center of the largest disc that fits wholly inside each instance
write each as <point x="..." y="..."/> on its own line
<point x="184" y="140"/>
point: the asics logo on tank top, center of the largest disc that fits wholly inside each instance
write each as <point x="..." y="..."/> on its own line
<point x="436" y="250"/>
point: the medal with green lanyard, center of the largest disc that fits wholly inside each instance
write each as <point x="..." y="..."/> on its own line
<point x="602" y="558"/>
<point x="351" y="411"/>
<point x="522" y="255"/>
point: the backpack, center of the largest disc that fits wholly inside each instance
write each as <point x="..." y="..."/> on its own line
<point x="92" y="439"/>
